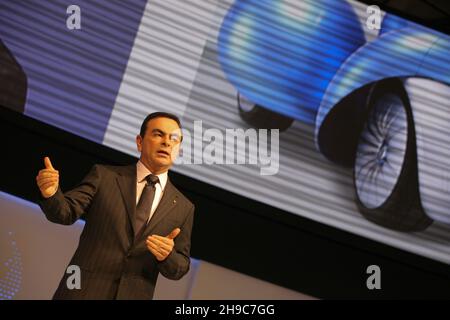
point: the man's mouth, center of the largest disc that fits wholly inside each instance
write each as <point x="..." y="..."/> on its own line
<point x="163" y="153"/>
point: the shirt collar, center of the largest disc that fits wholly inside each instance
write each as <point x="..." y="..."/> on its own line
<point x="142" y="172"/>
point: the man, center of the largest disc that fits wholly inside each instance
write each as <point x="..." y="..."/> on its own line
<point x="137" y="223"/>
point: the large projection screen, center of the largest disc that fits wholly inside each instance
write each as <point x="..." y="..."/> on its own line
<point x="343" y="85"/>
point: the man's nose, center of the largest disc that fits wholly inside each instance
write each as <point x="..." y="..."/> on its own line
<point x="166" y="141"/>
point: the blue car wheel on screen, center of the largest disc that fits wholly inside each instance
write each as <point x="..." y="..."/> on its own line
<point x="385" y="169"/>
<point x="260" y="117"/>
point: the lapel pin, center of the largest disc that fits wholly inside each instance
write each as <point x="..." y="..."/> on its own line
<point x="174" y="201"/>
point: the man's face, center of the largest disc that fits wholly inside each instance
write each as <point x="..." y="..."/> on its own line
<point x="160" y="145"/>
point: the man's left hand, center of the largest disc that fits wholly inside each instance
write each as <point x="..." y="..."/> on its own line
<point x="161" y="246"/>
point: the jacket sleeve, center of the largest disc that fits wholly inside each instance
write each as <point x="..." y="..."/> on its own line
<point x="66" y="208"/>
<point x="176" y="265"/>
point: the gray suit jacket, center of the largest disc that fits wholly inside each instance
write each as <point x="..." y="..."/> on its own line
<point x="114" y="262"/>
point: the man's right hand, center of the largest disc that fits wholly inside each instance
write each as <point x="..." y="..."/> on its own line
<point x="48" y="179"/>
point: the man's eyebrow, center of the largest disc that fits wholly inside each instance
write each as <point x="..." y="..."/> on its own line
<point x="158" y="131"/>
<point x="163" y="133"/>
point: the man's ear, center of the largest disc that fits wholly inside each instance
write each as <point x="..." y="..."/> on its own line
<point x="139" y="142"/>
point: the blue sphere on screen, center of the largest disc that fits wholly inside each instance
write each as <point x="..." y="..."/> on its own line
<point x="281" y="55"/>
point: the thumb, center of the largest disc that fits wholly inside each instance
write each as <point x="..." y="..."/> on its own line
<point x="174" y="233"/>
<point x="48" y="164"/>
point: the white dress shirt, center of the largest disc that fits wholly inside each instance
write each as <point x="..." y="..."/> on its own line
<point x="143" y="172"/>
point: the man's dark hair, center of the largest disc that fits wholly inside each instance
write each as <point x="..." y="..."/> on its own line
<point x="155" y="115"/>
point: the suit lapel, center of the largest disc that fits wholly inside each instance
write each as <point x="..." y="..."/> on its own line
<point x="127" y="186"/>
<point x="167" y="203"/>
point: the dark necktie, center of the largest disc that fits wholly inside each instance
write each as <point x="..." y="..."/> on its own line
<point x="145" y="202"/>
